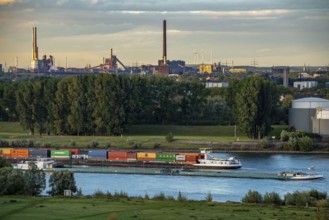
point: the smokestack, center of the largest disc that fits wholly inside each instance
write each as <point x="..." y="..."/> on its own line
<point x="34" y="44"/>
<point x="164" y="42"/>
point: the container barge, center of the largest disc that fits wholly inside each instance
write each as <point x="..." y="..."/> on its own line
<point x="196" y="172"/>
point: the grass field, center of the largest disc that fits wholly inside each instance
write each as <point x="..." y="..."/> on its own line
<point x="146" y="135"/>
<point x="17" y="207"/>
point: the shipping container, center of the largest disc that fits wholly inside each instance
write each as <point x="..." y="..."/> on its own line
<point x="168" y="157"/>
<point x="6" y="151"/>
<point x="131" y="156"/>
<point x="74" y="151"/>
<point x="20" y="153"/>
<point x="117" y="155"/>
<point x="97" y="154"/>
<point x="42" y="153"/>
<point x="60" y="154"/>
<point x="191" y="158"/>
<point x="180" y="158"/>
<point x="147" y="155"/>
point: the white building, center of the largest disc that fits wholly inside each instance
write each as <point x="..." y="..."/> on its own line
<point x="305" y="84"/>
<point x="216" y="84"/>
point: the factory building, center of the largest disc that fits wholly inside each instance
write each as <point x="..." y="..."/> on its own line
<point x="304" y="115"/>
<point x="205" y="68"/>
<point x="305" y="84"/>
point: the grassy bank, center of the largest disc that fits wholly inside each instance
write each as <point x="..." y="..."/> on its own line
<point x="146" y="135"/>
<point x="17" y="207"/>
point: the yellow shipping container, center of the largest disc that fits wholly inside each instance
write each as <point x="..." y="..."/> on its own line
<point x="150" y="155"/>
<point x="6" y="150"/>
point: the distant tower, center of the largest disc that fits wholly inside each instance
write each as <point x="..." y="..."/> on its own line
<point x="35" y="56"/>
<point x="286" y="77"/>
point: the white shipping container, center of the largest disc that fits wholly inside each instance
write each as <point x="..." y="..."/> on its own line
<point x="180" y="157"/>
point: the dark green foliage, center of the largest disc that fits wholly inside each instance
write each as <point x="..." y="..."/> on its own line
<point x="170" y="137"/>
<point x="18" y="182"/>
<point x="252" y="197"/>
<point x="181" y="197"/>
<point x="4" y="163"/>
<point x="60" y="181"/>
<point x="272" y="198"/>
<point x="254" y="103"/>
<point x="35" y="181"/>
<point x="209" y="197"/>
<point x="304" y="198"/>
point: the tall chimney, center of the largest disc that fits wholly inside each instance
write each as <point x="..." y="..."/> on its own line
<point x="164" y="43"/>
<point x="34" y="44"/>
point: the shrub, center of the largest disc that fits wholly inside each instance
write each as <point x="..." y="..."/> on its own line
<point x="252" y="197"/>
<point x="284" y="136"/>
<point x="293" y="144"/>
<point x="73" y="144"/>
<point x="209" y="197"/>
<point x="264" y="143"/>
<point x="317" y="195"/>
<point x="156" y="145"/>
<point x="108" y="145"/>
<point x="272" y="198"/>
<point x="305" y="143"/>
<point x="170" y="137"/>
<point x="323" y="203"/>
<point x="93" y="144"/>
<point x="160" y="196"/>
<point x="181" y="197"/>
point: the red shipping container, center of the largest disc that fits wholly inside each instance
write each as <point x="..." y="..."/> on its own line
<point x="191" y="159"/>
<point x="132" y="155"/>
<point x="74" y="151"/>
<point x="117" y="155"/>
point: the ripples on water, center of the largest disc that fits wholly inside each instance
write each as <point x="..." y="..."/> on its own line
<point x="222" y="189"/>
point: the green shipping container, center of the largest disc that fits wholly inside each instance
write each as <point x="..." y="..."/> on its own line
<point x="168" y="157"/>
<point x="60" y="153"/>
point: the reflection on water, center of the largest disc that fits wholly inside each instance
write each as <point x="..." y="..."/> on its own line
<point x="222" y="189"/>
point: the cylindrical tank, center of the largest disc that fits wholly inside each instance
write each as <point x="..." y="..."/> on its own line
<point x="310" y="103"/>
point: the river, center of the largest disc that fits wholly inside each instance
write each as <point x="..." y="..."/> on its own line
<point x="221" y="189"/>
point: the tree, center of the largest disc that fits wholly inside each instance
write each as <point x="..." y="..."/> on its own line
<point x="60" y="181"/>
<point x="254" y="103"/>
<point x="35" y="181"/>
<point x="11" y="181"/>
<point x="4" y="163"/>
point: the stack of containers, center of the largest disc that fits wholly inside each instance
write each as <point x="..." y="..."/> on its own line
<point x="167" y="157"/>
<point x="24" y="153"/>
<point x="146" y="156"/>
<point x="43" y="153"/>
<point x="6" y="152"/>
<point x="131" y="156"/>
<point x="66" y="154"/>
<point x="97" y="154"/>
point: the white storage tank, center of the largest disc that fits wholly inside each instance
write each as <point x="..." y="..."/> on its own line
<point x="310" y="103"/>
<point x="303" y="110"/>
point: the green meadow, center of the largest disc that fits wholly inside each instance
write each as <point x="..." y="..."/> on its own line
<point x="146" y="136"/>
<point x="18" y="207"/>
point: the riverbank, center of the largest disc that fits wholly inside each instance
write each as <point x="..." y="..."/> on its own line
<point x="111" y="207"/>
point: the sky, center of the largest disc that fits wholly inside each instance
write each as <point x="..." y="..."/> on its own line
<point x="271" y="32"/>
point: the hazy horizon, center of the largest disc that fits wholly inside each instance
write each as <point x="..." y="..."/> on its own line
<point x="273" y="32"/>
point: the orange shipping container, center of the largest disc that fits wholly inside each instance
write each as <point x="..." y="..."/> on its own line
<point x="20" y="153"/>
<point x="74" y="151"/>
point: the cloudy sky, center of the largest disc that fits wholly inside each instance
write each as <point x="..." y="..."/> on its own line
<point x="273" y="32"/>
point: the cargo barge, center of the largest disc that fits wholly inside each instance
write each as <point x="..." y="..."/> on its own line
<point x="185" y="172"/>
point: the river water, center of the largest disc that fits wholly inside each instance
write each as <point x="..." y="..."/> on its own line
<point x="221" y="189"/>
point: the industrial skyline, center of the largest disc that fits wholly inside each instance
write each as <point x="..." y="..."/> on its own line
<point x="274" y="32"/>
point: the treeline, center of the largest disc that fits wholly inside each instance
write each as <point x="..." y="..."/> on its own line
<point x="106" y="104"/>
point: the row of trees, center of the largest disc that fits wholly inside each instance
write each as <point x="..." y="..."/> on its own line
<point x="106" y="104"/>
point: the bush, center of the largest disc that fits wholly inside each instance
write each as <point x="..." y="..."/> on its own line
<point x="108" y="145"/>
<point x="181" y="197"/>
<point x="272" y="198"/>
<point x="209" y="197"/>
<point x="305" y="143"/>
<point x="93" y="144"/>
<point x="284" y="136"/>
<point x="252" y="197"/>
<point x="160" y="196"/>
<point x="73" y="144"/>
<point x="170" y="137"/>
<point x="264" y="143"/>
<point x="323" y="203"/>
